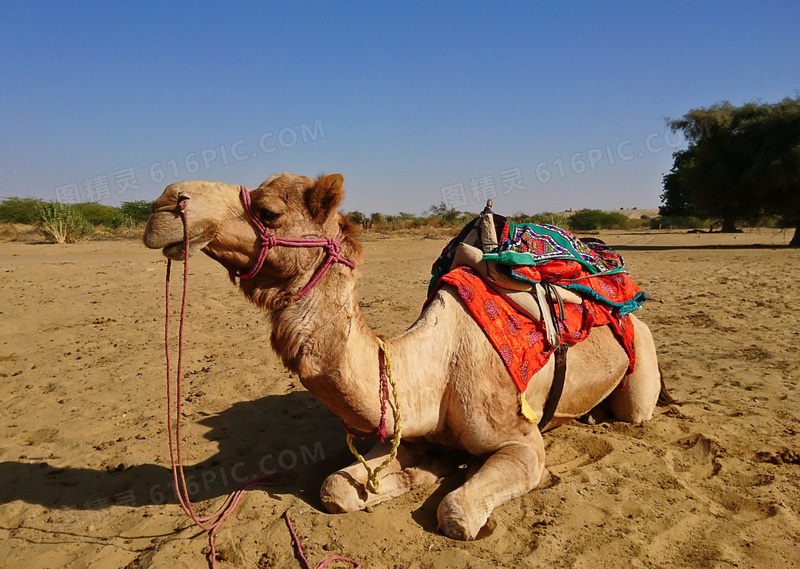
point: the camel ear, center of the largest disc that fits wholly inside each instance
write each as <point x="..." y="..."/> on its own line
<point x="325" y="196"/>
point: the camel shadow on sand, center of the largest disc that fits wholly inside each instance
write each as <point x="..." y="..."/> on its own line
<point x="292" y="433"/>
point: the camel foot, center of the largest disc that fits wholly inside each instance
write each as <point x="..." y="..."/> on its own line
<point x="345" y="490"/>
<point x="457" y="519"/>
<point x="340" y="494"/>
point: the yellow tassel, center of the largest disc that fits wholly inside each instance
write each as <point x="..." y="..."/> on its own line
<point x="526" y="410"/>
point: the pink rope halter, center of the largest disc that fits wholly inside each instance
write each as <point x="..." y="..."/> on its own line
<point x="211" y="523"/>
<point x="268" y="239"/>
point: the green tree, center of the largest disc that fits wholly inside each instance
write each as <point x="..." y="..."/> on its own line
<point x="742" y="163"/>
<point x="446" y="215"/>
<point x="676" y="199"/>
<point x="775" y="170"/>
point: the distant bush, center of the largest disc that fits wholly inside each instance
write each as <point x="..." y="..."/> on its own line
<point x="95" y="213"/>
<point x="62" y="223"/>
<point x="356" y="218"/>
<point x="545" y="218"/>
<point x="121" y="220"/>
<point x="8" y="232"/>
<point x="678" y="222"/>
<point x="19" y="210"/>
<point x="593" y="219"/>
<point x="138" y="211"/>
<point x="550" y="219"/>
<point x="443" y="216"/>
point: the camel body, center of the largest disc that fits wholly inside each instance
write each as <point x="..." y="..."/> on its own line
<point x="453" y="387"/>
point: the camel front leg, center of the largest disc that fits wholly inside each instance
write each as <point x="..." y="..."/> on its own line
<point x="345" y="490"/>
<point x="513" y="470"/>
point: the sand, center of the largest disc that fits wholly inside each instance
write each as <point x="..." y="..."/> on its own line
<point x="84" y="465"/>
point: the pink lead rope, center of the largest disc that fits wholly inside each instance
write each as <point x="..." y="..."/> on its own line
<point x="211" y="523"/>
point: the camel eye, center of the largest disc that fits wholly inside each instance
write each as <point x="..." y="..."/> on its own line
<point x="268" y="217"/>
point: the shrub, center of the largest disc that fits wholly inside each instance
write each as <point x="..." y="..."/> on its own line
<point x="19" y="210"/>
<point x="122" y="220"/>
<point x="678" y="222"/>
<point x="63" y="223"/>
<point x="96" y="213"/>
<point x="138" y="211"/>
<point x="443" y="216"/>
<point x="591" y="219"/>
<point x="8" y="232"/>
<point x="355" y="218"/>
<point x="550" y="219"/>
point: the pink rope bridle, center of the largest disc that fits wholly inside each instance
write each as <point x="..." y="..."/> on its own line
<point x="333" y="246"/>
<point x="212" y="522"/>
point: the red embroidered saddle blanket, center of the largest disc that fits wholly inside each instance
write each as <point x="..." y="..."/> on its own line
<point x="520" y="340"/>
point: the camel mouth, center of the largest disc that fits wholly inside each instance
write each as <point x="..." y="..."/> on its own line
<point x="175" y="252"/>
<point x="165" y="231"/>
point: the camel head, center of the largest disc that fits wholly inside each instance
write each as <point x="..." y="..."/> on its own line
<point x="290" y="206"/>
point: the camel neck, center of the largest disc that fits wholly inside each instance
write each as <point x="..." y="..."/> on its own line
<point x="323" y="338"/>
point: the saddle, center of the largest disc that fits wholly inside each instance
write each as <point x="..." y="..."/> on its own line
<point x="539" y="270"/>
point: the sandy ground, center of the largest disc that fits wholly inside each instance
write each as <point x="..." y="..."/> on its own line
<point x="84" y="467"/>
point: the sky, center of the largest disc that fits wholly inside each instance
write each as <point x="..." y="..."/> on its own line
<point x="540" y="106"/>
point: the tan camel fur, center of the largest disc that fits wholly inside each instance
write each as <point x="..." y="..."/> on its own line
<point x="453" y="387"/>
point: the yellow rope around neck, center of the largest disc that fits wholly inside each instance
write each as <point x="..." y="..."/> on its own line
<point x="373" y="484"/>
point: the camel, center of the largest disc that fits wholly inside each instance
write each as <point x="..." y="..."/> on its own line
<point x="452" y="385"/>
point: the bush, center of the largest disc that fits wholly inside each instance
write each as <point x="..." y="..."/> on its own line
<point x="355" y="218"/>
<point x="550" y="219"/>
<point x="8" y="232"/>
<point x="19" y="210"/>
<point x="63" y="223"/>
<point x="592" y="219"/>
<point x="138" y="211"/>
<point x="678" y="222"/>
<point x="96" y="213"/>
<point x="122" y="220"/>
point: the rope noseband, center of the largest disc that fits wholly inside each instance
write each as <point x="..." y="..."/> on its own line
<point x="268" y="240"/>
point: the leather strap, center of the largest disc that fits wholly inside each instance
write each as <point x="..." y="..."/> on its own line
<point x="560" y="373"/>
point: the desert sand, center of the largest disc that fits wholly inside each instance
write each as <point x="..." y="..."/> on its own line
<point x="84" y="464"/>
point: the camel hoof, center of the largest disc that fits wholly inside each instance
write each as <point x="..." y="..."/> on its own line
<point x="454" y="520"/>
<point x="341" y="494"/>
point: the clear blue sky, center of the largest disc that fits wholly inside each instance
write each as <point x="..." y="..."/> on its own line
<point x="547" y="106"/>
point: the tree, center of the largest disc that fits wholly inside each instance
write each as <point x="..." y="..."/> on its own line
<point x="447" y="215"/>
<point x="776" y="164"/>
<point x="676" y="198"/>
<point x="742" y="163"/>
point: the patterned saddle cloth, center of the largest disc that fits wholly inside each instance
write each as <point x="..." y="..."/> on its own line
<point x="532" y="287"/>
<point x="531" y="253"/>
